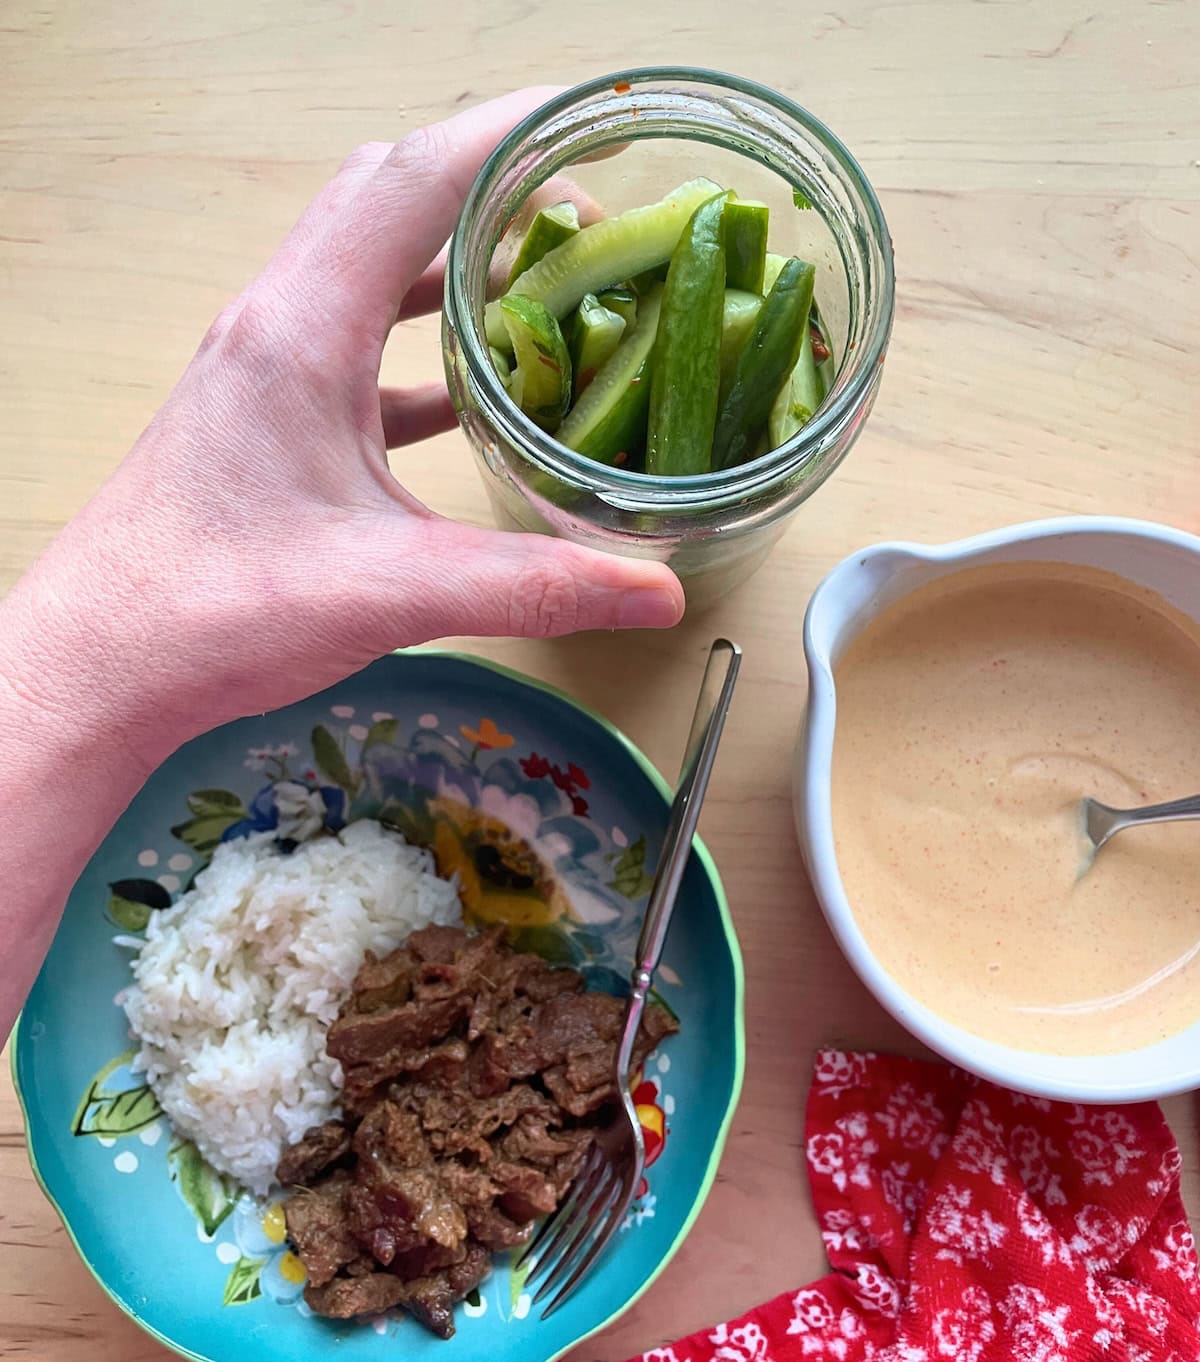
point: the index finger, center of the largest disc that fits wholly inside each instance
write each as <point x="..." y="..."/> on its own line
<point x="369" y="235"/>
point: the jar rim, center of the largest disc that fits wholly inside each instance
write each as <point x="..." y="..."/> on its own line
<point x="641" y="490"/>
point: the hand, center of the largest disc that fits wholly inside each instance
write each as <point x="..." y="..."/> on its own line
<point x="254" y="547"/>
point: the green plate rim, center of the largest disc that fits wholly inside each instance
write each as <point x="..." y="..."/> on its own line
<point x="739" y="1037"/>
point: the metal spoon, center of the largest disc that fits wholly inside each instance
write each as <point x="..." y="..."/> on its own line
<point x="1100" y="821"/>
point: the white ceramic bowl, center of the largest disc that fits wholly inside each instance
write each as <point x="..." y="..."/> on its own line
<point x="1164" y="560"/>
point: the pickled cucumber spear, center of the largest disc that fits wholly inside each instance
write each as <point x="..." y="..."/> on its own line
<point x="686" y="377"/>
<point x="603" y="254"/>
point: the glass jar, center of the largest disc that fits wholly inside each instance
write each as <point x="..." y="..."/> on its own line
<point x="714" y="529"/>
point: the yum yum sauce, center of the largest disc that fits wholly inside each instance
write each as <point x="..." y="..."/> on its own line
<point x="973" y="716"/>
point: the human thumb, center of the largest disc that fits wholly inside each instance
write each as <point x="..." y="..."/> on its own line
<point x="458" y="579"/>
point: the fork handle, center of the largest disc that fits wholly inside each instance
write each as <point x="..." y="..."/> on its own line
<point x="712" y="705"/>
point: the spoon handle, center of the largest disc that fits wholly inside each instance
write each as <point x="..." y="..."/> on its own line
<point x="1171" y="812"/>
<point x="1101" y="821"/>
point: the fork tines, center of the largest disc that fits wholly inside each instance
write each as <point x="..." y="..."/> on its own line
<point x="569" y="1242"/>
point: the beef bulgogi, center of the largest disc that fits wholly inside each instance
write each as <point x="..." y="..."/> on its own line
<point x="475" y="1077"/>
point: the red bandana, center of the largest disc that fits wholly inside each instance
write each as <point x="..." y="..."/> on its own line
<point x="966" y="1223"/>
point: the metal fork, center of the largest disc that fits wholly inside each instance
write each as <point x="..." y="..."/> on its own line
<point x="570" y="1241"/>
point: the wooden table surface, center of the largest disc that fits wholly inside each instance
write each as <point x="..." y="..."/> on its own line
<point x="1039" y="164"/>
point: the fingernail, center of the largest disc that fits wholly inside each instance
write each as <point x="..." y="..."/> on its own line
<point x="652" y="609"/>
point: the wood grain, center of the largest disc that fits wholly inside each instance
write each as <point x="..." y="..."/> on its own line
<point x="1039" y="164"/>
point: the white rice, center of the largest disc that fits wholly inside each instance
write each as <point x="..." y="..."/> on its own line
<point x="238" y="981"/>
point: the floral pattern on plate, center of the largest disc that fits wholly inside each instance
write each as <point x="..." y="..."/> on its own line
<point x="516" y="832"/>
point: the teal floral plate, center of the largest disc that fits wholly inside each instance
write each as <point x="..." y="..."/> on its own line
<point x="552" y="821"/>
